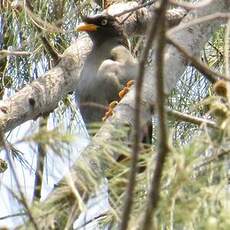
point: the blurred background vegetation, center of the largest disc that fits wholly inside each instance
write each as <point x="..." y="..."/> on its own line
<point x="195" y="183"/>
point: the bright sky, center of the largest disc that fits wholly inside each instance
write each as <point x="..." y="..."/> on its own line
<point x="55" y="168"/>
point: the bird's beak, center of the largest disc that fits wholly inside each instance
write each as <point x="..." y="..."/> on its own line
<point x="86" y="27"/>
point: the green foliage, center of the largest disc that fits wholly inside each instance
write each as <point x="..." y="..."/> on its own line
<point x="56" y="19"/>
<point x="194" y="189"/>
<point x="195" y="181"/>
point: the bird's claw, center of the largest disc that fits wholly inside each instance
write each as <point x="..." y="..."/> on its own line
<point x="113" y="104"/>
<point x="125" y="90"/>
<point x="130" y="83"/>
<point x="110" y="112"/>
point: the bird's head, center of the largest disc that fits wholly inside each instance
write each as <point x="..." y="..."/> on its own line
<point x="101" y="27"/>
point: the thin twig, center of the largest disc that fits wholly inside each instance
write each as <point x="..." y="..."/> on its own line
<point x="210" y="159"/>
<point x="217" y="50"/>
<point x="13" y="215"/>
<point x="211" y="75"/>
<point x="163" y="149"/>
<point x="96" y="218"/>
<point x="137" y="133"/>
<point x="40" y="162"/>
<point x="191" y="119"/>
<point x="4" y="53"/>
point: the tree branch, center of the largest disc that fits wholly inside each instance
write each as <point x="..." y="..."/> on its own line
<point x="192" y="38"/>
<point x="211" y="75"/>
<point x="42" y="95"/>
<point x="5" y="53"/>
<point x="191" y="119"/>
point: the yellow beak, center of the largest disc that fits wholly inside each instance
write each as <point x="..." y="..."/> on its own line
<point x="86" y="27"/>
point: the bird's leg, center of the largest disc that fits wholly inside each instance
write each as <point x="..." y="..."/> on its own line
<point x="130" y="83"/>
<point x="121" y="94"/>
<point x="125" y="90"/>
<point x="146" y="135"/>
<point x="109" y="112"/>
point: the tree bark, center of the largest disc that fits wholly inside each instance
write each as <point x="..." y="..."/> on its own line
<point x="42" y="95"/>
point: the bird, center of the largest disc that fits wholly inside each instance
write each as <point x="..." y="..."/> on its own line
<point x="107" y="68"/>
<point x="108" y="72"/>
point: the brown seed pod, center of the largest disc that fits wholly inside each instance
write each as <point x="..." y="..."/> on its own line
<point x="221" y="88"/>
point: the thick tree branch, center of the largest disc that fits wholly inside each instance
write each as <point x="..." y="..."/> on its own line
<point x="192" y="38"/>
<point x="42" y="96"/>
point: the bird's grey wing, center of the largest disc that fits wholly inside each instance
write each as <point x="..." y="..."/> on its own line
<point x="128" y="65"/>
<point x="109" y="74"/>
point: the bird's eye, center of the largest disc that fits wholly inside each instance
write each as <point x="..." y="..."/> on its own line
<point x="104" y="22"/>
